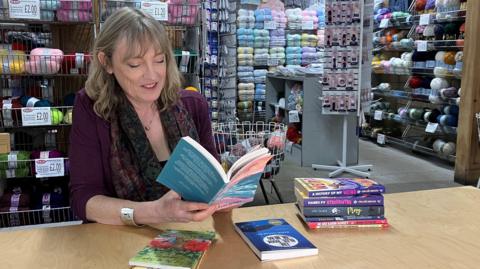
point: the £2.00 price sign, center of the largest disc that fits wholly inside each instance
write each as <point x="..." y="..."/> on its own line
<point x="36" y="116"/>
<point x="158" y="10"/>
<point x="24" y="9"/>
<point x="52" y="167"/>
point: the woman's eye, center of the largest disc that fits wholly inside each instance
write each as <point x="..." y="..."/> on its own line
<point x="133" y="65"/>
<point x="161" y="61"/>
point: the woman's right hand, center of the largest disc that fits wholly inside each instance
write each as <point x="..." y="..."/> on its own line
<point x="171" y="208"/>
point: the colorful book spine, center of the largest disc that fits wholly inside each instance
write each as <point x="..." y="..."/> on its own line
<point x="320" y="187"/>
<point x="353" y="223"/>
<point x="315" y="225"/>
<point x="342" y="211"/>
<point x="363" y="200"/>
<point x="343" y="218"/>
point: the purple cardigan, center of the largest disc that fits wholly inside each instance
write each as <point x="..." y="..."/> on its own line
<point x="89" y="153"/>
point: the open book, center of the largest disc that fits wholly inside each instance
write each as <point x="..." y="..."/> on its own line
<point x="197" y="176"/>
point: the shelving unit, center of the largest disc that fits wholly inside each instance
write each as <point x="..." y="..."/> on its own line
<point x="38" y="83"/>
<point x="401" y="107"/>
<point x="320" y="133"/>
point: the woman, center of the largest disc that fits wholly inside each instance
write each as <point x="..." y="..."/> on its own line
<point x="126" y="122"/>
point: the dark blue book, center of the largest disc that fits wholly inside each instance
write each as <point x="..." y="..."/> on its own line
<point x="341" y="211"/>
<point x="274" y="239"/>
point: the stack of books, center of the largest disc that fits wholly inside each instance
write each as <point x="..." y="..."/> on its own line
<point x="340" y="202"/>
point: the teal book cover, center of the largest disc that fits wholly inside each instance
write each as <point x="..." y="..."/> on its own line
<point x="175" y="249"/>
<point x="197" y="176"/>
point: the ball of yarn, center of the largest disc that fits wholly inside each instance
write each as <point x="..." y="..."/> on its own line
<point x="438" y="84"/>
<point x="435" y="98"/>
<point x="460" y="43"/>
<point x="432" y="117"/>
<point x="238" y="150"/>
<point x="459" y="92"/>
<point x="462" y="28"/>
<point x="426" y="82"/>
<point x="28" y="101"/>
<point x="415" y="82"/>
<point x="440" y="71"/>
<point x="57" y="116"/>
<point x="419" y="29"/>
<point x="451" y="110"/>
<point x="438" y="145"/>
<point x="449" y="58"/>
<point x="429" y="30"/>
<point x="450" y="29"/>
<point x="68" y="117"/>
<point x="426" y="115"/>
<point x="450" y="92"/>
<point x="403" y="113"/>
<point x="430" y="4"/>
<point x="448" y="148"/>
<point x="420" y="5"/>
<point x="440" y="56"/>
<point x="415" y="113"/>
<point x="439" y="31"/>
<point x="459" y="56"/>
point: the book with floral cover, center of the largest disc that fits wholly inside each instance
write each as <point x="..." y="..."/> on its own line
<point x="174" y="249"/>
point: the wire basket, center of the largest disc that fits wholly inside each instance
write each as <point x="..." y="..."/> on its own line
<point x="235" y="139"/>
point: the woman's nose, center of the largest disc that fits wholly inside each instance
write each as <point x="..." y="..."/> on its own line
<point x="150" y="72"/>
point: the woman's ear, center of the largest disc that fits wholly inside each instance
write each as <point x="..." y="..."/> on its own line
<point x="102" y="58"/>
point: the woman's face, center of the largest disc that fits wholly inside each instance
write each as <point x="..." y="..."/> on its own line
<point x="141" y="77"/>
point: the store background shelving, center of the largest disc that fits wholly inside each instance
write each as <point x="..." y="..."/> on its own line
<point x="410" y="128"/>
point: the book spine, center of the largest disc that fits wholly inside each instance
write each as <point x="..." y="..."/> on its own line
<point x="345" y="201"/>
<point x="342" y="211"/>
<point x="343" y="218"/>
<point x="322" y="193"/>
<point x="313" y="225"/>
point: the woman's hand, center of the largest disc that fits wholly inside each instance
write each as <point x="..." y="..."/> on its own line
<point x="171" y="208"/>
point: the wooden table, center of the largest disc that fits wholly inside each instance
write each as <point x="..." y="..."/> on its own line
<point x="429" y="229"/>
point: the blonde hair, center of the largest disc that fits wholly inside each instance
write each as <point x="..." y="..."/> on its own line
<point x="139" y="30"/>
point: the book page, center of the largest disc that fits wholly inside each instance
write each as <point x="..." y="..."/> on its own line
<point x="250" y="156"/>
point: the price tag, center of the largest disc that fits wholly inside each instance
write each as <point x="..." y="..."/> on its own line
<point x="421" y="45"/>
<point x="24" y="9"/>
<point x="381" y="139"/>
<point x="425" y="19"/>
<point x="293" y="116"/>
<point x="36" y="116"/>
<point x="270" y="25"/>
<point x="52" y="167"/>
<point x="430" y="64"/>
<point x="307" y="25"/>
<point x="158" y="10"/>
<point x="384" y="23"/>
<point x="378" y="115"/>
<point x="272" y="62"/>
<point x="431" y="127"/>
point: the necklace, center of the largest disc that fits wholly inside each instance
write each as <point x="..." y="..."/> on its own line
<point x="147" y="126"/>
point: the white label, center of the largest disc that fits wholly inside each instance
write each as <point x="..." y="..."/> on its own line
<point x="49" y="167"/>
<point x="158" y="10"/>
<point x="24" y="9"/>
<point x="378" y="115"/>
<point x="430" y="64"/>
<point x="270" y="25"/>
<point x="74" y="71"/>
<point x="421" y="45"/>
<point x="431" y="127"/>
<point x="10" y="173"/>
<point x="79" y="59"/>
<point x="425" y="19"/>
<point x="293" y="116"/>
<point x="381" y="139"/>
<point x="307" y="25"/>
<point x="12" y="160"/>
<point x="384" y="23"/>
<point x="36" y="116"/>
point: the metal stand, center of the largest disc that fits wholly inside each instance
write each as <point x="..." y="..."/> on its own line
<point x="342" y="167"/>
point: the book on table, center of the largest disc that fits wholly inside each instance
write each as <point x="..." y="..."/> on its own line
<point x="174" y="249"/>
<point x="314" y="187"/>
<point x="197" y="176"/>
<point x="274" y="239"/>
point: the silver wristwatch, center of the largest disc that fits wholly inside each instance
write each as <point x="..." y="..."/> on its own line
<point x="126" y="215"/>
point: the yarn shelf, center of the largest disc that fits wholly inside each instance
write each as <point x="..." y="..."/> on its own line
<point x="44" y="62"/>
<point x="430" y="49"/>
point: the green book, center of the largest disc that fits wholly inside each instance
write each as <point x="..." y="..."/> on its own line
<point x="174" y="249"/>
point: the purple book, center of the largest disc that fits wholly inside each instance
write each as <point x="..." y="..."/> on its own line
<point x="360" y="200"/>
